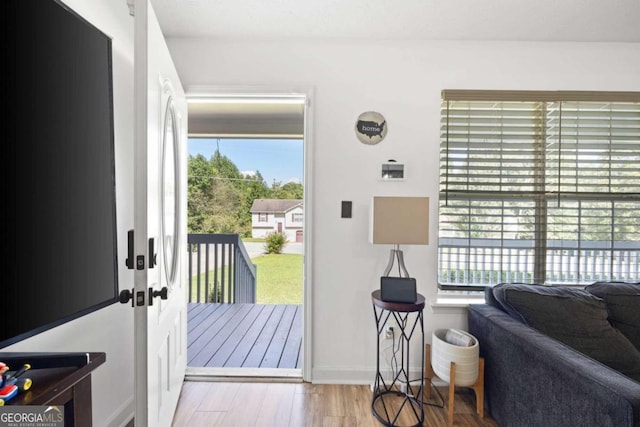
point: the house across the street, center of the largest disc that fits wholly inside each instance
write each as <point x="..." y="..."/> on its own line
<point x="277" y="215"/>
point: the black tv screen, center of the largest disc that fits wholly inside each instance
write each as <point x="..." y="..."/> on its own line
<point x="58" y="227"/>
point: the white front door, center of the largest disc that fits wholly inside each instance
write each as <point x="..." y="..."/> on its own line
<point x="160" y="214"/>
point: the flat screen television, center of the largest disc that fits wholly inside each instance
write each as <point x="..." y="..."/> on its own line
<point x="58" y="227"/>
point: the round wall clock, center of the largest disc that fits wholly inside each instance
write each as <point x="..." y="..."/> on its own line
<point x="371" y="127"/>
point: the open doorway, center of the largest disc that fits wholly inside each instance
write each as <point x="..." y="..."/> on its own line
<point x="247" y="235"/>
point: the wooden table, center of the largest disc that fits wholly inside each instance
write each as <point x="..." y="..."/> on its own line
<point x="69" y="387"/>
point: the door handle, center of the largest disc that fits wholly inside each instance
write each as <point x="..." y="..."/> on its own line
<point x="126" y="295"/>
<point x="162" y="293"/>
<point x="153" y="258"/>
<point x="129" y="260"/>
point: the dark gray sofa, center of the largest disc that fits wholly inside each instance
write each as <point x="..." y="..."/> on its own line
<point x="534" y="380"/>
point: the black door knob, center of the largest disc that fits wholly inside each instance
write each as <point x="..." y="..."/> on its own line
<point x="162" y="293"/>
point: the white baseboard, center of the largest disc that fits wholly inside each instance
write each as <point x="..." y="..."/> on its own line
<point x="331" y="375"/>
<point x="122" y="415"/>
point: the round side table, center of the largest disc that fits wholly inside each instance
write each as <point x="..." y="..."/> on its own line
<point x="398" y="400"/>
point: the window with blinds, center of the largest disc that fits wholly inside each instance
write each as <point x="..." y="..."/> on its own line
<point x="539" y="187"/>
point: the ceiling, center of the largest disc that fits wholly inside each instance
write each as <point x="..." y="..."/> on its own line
<point x="282" y="20"/>
<point x="502" y="20"/>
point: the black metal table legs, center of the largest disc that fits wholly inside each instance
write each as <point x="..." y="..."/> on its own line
<point x="398" y="400"/>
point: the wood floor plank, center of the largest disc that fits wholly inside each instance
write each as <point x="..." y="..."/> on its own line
<point x="206" y="419"/>
<point x="191" y="396"/>
<point x="276" y="406"/>
<point x="245" y="407"/>
<point x="331" y="421"/>
<point x="390" y="406"/>
<point x="302" y="405"/>
<point x="307" y="408"/>
<point x="220" y="397"/>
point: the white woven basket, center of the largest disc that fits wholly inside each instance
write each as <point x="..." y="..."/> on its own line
<point x="465" y="358"/>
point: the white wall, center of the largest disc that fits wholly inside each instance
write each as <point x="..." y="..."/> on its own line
<point x="401" y="80"/>
<point x="110" y="329"/>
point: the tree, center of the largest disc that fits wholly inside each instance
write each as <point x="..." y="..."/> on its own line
<point x="225" y="167"/>
<point x="254" y="187"/>
<point x="212" y="198"/>
<point x="290" y="190"/>
<point x="199" y="184"/>
<point x="220" y="196"/>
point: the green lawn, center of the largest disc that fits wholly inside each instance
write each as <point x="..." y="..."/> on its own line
<point x="279" y="279"/>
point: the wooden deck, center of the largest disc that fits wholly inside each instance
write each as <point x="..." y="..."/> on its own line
<point x="244" y="336"/>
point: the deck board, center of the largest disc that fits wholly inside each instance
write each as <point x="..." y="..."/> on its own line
<point x="234" y="337"/>
<point x="237" y="359"/>
<point x="207" y="344"/>
<point x="244" y="335"/>
<point x="291" y="351"/>
<point x="198" y="314"/>
<point x="272" y="357"/>
<point x="259" y="349"/>
<point x="202" y="321"/>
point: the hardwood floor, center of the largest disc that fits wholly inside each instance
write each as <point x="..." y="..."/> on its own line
<point x="239" y="404"/>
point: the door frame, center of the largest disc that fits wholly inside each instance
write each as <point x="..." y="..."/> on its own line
<point x="203" y="91"/>
<point x="159" y="332"/>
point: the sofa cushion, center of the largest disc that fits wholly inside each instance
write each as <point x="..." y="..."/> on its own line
<point x="574" y="317"/>
<point x="490" y="298"/>
<point x="623" y="306"/>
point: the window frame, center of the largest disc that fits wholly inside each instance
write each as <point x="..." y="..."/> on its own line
<point x="542" y="97"/>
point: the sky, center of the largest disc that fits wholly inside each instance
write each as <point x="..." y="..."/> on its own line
<point x="276" y="159"/>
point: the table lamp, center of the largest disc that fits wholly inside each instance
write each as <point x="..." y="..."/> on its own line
<point x="399" y="221"/>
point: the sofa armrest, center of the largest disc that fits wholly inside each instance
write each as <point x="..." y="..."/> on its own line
<point x="534" y="380"/>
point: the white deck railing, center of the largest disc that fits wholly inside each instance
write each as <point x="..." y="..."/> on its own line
<point x="489" y="262"/>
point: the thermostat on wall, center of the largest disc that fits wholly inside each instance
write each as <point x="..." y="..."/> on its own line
<point x="391" y="171"/>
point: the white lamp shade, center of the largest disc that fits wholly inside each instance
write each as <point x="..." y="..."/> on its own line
<point x="399" y="220"/>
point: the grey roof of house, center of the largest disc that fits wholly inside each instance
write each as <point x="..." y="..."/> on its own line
<point x="274" y="205"/>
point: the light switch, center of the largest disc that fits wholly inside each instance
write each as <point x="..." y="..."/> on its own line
<point x="346" y="209"/>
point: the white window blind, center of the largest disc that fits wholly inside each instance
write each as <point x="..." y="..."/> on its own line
<point x="540" y="190"/>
